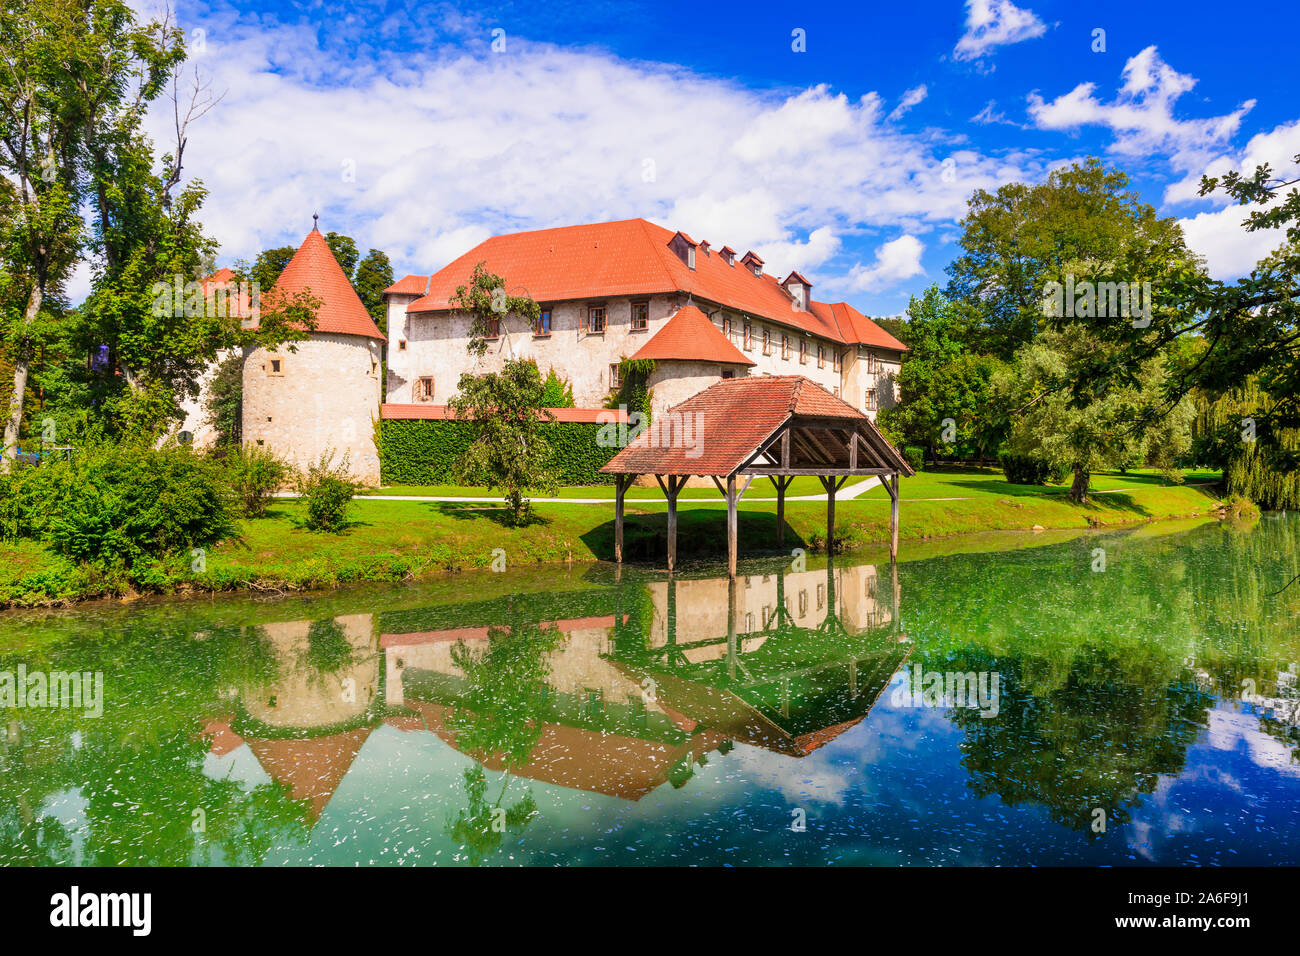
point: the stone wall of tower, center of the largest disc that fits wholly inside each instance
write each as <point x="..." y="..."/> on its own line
<point x="322" y="397"/>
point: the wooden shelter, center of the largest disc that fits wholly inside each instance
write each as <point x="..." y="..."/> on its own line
<point x="778" y="427"/>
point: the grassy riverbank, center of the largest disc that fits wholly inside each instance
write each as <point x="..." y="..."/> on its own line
<point x="403" y="540"/>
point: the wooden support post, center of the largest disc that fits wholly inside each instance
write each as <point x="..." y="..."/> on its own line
<point x="829" y="484"/>
<point x="893" y="518"/>
<point x="670" y="490"/>
<point x="733" y="529"/>
<point x="621" y="484"/>
<point x="781" y="484"/>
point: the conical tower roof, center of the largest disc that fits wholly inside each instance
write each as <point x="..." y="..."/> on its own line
<point x="314" y="268"/>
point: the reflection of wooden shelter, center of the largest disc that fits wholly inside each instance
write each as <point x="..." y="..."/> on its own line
<point x="778" y="427"/>
<point x="778" y="697"/>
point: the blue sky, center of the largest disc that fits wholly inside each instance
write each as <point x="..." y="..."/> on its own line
<point x="404" y="126"/>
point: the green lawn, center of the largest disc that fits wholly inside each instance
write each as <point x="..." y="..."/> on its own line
<point x="405" y="540"/>
<point x="969" y="482"/>
<point x="761" y="488"/>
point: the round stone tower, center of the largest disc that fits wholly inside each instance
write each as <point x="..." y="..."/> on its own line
<point x="324" y="396"/>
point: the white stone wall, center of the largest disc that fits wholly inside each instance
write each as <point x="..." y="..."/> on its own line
<point x="862" y="374"/>
<point x="196" y="409"/>
<point x="435" y="347"/>
<point x="325" y="398"/>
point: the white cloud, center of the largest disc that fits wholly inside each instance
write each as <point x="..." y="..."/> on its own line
<point x="895" y="261"/>
<point x="909" y="99"/>
<point x="1141" y="116"/>
<point x="450" y="147"/>
<point x="989" y="115"/>
<point x="1230" y="250"/>
<point x="993" y="23"/>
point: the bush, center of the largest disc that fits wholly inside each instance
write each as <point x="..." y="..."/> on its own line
<point x="327" y="490"/>
<point x="415" y="452"/>
<point x="117" y="504"/>
<point x="20" y="505"/>
<point x="915" y="456"/>
<point x="1030" y="470"/>
<point x="255" y="474"/>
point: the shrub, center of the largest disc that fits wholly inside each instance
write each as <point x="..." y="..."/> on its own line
<point x="915" y="456"/>
<point x="428" y="452"/>
<point x="255" y="474"/>
<point x="20" y="506"/>
<point x="1030" y="470"/>
<point x="116" y="504"/>
<point x="327" y="490"/>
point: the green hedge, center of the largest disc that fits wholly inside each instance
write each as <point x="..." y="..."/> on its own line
<point x="426" y="452"/>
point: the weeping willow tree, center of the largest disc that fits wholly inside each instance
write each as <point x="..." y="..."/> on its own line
<point x="1258" y="460"/>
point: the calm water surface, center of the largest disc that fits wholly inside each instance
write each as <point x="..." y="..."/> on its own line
<point x="1014" y="706"/>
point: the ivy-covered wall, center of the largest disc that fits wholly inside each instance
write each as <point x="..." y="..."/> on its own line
<point x="423" y="452"/>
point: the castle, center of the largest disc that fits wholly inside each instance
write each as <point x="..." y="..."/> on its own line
<point x="607" y="292"/>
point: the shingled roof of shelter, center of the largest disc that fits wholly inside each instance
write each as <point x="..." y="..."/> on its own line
<point x="717" y="430"/>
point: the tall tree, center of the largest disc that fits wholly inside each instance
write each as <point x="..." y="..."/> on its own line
<point x="1022" y="237"/>
<point x="345" y="251"/>
<point x="509" y="450"/>
<point x="374" y="274"/>
<point x="945" y="387"/>
<point x="70" y="68"/>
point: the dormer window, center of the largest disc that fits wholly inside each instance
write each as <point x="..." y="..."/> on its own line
<point x="683" y="247"/>
<point x="728" y="255"/>
<point x="753" y="263"/>
<point x="799" y="289"/>
<point x="704" y="246"/>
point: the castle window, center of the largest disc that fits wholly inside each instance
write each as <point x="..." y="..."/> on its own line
<point x="640" y="316"/>
<point x="593" y="320"/>
<point x="836" y="391"/>
<point x="492" y="328"/>
<point x="726" y="326"/>
<point x="543" y="324"/>
<point x="749" y="338"/>
<point x="401" y="345"/>
<point x="870" y="402"/>
<point x="785" y="347"/>
<point x="835" y="360"/>
<point x="728" y="373"/>
<point x="614" y="381"/>
<point x="803" y="353"/>
<point x="424" y="389"/>
<point x="276" y="365"/>
<point x="821" y="357"/>
<point x="767" y="341"/>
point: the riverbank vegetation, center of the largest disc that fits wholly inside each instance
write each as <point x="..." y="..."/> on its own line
<point x="410" y="540"/>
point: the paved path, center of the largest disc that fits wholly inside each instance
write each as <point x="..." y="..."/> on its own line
<point x="854" y="491"/>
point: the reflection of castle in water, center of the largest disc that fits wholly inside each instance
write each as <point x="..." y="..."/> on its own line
<point x="633" y="697"/>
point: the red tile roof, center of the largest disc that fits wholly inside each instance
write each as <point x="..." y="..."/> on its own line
<point x="715" y="431"/>
<point x="856" y="327"/>
<point x="408" y="285"/>
<point x="442" y="412"/>
<point x="313" y="267"/>
<point x="690" y="335"/>
<point x="627" y="258"/>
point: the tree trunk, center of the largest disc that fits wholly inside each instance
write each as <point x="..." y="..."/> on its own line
<point x="1079" y="489"/>
<point x="22" y="364"/>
